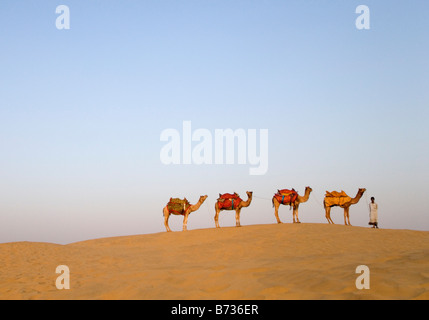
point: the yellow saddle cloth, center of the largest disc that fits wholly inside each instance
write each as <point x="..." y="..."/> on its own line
<point x="336" y="198"/>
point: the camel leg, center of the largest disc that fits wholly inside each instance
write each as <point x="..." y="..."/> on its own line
<point x="295" y="214"/>
<point x="237" y="217"/>
<point x="216" y="217"/>
<point x="346" y="215"/>
<point x="185" y="222"/>
<point x="328" y="214"/>
<point x="166" y="216"/>
<point x="276" y="209"/>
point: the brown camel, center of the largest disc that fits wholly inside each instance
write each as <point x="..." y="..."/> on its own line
<point x="300" y="200"/>
<point x="185" y="212"/>
<point x="237" y="208"/>
<point x="341" y="200"/>
<point x="295" y="205"/>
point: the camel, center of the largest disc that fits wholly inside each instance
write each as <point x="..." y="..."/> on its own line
<point x="336" y="201"/>
<point x="295" y="205"/>
<point x="298" y="201"/>
<point x="186" y="212"/>
<point x="237" y="208"/>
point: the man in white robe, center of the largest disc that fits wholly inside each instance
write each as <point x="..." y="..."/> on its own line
<point x="373" y="214"/>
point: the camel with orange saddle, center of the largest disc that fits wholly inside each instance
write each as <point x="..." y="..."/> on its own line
<point x="291" y="198"/>
<point x="228" y="201"/>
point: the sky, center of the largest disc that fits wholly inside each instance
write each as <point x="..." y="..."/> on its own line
<point x="82" y="111"/>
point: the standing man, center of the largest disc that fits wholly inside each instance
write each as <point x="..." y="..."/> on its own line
<point x="373" y="215"/>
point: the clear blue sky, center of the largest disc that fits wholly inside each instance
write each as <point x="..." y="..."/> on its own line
<point x="81" y="111"/>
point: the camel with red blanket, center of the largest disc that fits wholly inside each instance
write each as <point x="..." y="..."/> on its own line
<point x="285" y="197"/>
<point x="228" y="201"/>
<point x="178" y="206"/>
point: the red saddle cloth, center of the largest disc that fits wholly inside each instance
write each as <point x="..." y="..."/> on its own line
<point x="286" y="196"/>
<point x="228" y="201"/>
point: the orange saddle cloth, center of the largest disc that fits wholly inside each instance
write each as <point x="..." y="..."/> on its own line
<point x="228" y="201"/>
<point x="286" y="196"/>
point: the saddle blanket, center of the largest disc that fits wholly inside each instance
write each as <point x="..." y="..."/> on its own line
<point x="178" y="206"/>
<point x="286" y="196"/>
<point x="228" y="201"/>
<point x="336" y="198"/>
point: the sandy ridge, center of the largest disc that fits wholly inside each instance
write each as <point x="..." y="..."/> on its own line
<point x="278" y="261"/>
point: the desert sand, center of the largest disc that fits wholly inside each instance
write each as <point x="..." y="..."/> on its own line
<point x="277" y="261"/>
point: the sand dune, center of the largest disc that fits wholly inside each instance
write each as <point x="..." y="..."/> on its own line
<point x="286" y="261"/>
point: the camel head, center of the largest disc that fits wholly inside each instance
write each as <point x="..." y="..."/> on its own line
<point x="306" y="195"/>
<point x="195" y="207"/>
<point x="249" y="195"/>
<point x="358" y="195"/>
<point x="249" y="199"/>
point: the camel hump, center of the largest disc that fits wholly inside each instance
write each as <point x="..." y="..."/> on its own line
<point x="178" y="206"/>
<point x="179" y="201"/>
<point x="229" y="196"/>
<point x="336" y="194"/>
<point x="286" y="196"/>
<point x="229" y="204"/>
<point x="286" y="192"/>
